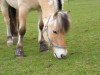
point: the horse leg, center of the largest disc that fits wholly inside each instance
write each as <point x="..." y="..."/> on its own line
<point x="21" y="31"/>
<point x="43" y="46"/>
<point x="13" y="22"/>
<point x="5" y="13"/>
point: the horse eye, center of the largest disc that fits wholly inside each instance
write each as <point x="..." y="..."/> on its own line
<point x="55" y="32"/>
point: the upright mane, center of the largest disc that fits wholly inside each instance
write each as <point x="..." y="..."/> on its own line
<point x="59" y="5"/>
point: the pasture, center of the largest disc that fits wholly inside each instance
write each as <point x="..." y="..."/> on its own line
<point x="83" y="41"/>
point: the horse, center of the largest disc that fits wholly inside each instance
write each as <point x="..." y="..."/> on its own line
<point x="52" y="25"/>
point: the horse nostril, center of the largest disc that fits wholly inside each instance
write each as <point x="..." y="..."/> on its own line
<point x="62" y="56"/>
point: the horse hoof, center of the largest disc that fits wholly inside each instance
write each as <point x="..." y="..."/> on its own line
<point x="9" y="43"/>
<point x="43" y="48"/>
<point x="19" y="53"/>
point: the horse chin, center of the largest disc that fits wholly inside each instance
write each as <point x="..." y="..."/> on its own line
<point x="60" y="53"/>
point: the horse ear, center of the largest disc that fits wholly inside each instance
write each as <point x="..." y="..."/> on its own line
<point x="67" y="12"/>
<point x="55" y="15"/>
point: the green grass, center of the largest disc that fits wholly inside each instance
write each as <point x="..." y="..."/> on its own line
<point x="83" y="42"/>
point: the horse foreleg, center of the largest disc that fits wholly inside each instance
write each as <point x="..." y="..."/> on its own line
<point x="5" y="13"/>
<point x="21" y="31"/>
<point x="43" y="46"/>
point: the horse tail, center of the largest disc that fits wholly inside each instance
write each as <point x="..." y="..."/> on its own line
<point x="13" y="20"/>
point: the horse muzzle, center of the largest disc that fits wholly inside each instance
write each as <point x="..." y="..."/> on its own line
<point x="60" y="52"/>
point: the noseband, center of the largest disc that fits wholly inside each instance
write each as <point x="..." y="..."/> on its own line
<point x="50" y="40"/>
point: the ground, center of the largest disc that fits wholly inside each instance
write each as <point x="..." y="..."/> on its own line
<point x="83" y="42"/>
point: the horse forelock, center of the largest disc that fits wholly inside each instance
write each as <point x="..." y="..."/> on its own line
<point x="63" y="21"/>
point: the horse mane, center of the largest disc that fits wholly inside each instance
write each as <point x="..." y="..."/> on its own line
<point x="59" y="5"/>
<point x="63" y="22"/>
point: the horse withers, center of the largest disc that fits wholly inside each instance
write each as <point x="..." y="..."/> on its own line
<point x="52" y="26"/>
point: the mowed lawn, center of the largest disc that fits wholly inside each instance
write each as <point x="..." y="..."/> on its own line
<point x="83" y="41"/>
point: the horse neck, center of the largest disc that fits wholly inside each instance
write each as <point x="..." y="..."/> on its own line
<point x="46" y="8"/>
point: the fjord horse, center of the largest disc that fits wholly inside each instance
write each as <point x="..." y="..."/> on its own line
<point x="53" y="24"/>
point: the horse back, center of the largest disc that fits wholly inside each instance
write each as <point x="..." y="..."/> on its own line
<point x="30" y="4"/>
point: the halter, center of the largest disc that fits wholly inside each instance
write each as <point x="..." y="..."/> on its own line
<point x="49" y="40"/>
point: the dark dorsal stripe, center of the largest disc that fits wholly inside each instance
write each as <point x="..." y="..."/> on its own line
<point x="59" y="5"/>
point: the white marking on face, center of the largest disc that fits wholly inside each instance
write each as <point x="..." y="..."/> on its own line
<point x="58" y="52"/>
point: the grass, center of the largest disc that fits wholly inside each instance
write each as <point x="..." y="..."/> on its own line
<point x="83" y="42"/>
